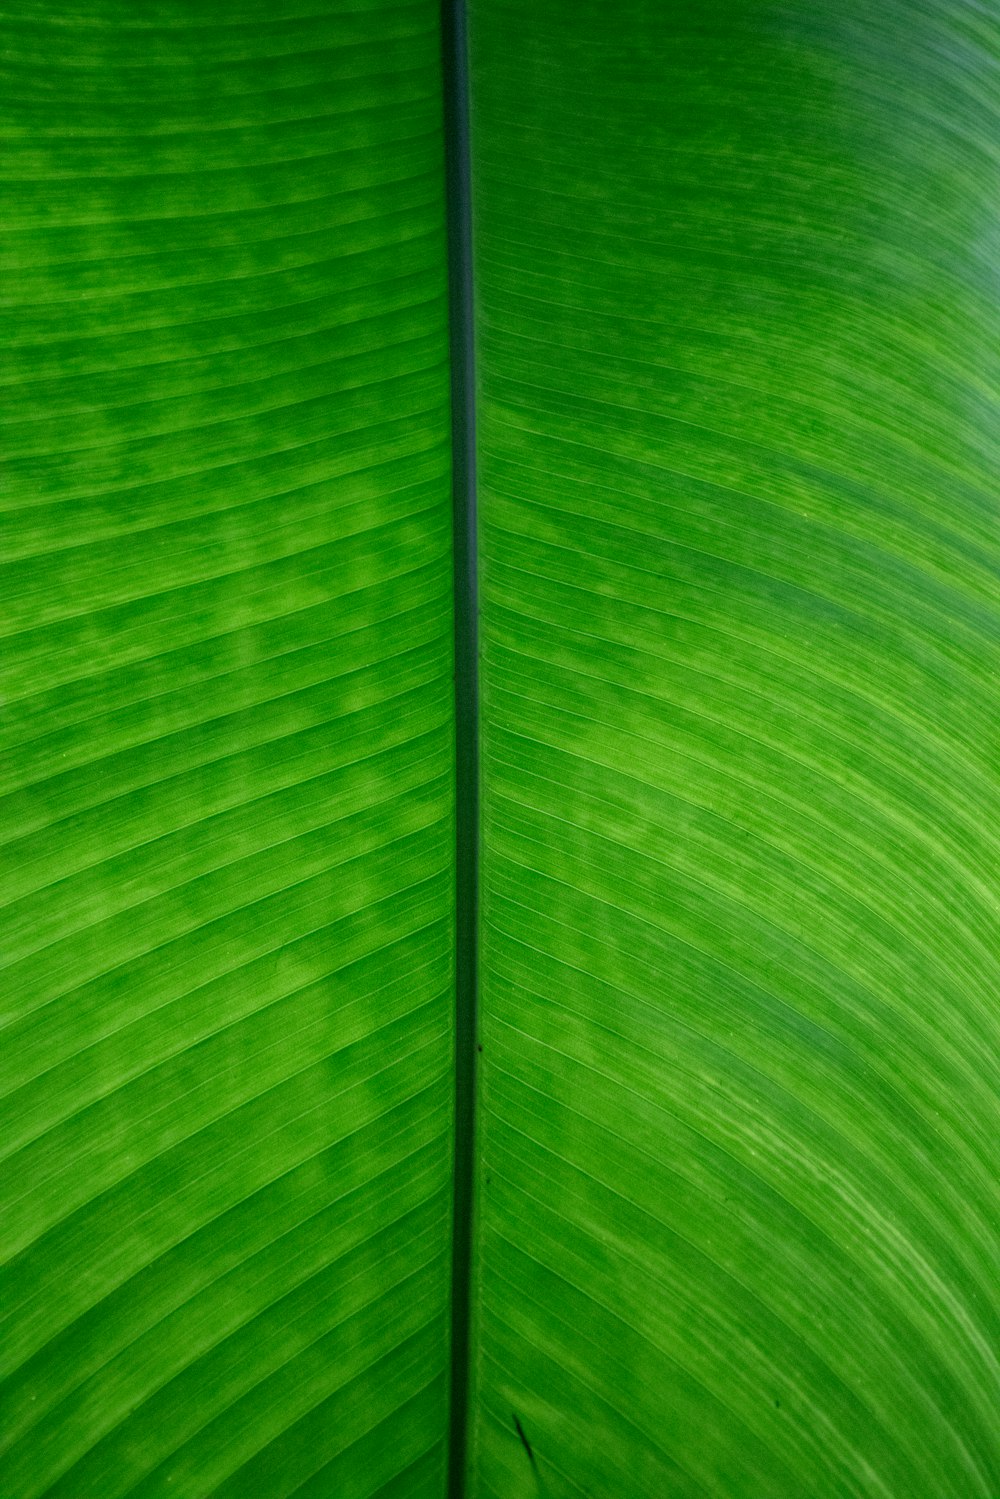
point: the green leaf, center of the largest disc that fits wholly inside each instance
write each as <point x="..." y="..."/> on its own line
<point x="227" y="752"/>
<point x="736" y="331"/>
<point x="738" y="337"/>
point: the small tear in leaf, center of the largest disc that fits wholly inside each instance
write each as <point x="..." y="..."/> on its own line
<point x="524" y="1440"/>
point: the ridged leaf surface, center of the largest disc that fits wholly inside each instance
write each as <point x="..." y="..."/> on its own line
<point x="738" y="454"/>
<point x="226" y="752"/>
<point x="737" y="339"/>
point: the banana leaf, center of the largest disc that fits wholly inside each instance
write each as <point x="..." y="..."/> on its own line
<point x="603" y="423"/>
<point x="229" y="759"/>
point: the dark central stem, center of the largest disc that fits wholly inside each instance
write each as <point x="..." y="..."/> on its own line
<point x="456" y="94"/>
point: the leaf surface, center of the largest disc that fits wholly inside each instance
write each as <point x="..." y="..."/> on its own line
<point x="737" y="343"/>
<point x="227" y="752"/>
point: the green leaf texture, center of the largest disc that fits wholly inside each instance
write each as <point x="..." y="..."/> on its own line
<point x="738" y="451"/>
<point x="227" y="751"/>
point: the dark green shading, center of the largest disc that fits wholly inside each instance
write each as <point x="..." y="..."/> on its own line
<point x="456" y="99"/>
